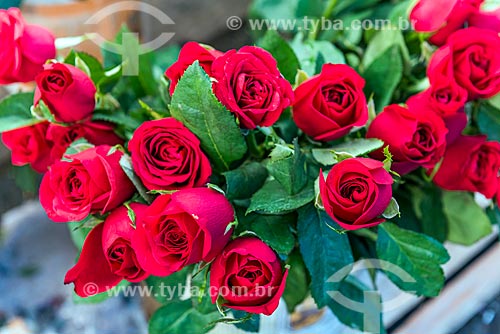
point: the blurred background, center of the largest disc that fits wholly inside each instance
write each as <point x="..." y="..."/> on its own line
<point x="35" y="253"/>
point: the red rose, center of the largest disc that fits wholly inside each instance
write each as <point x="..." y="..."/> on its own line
<point x="416" y="136"/>
<point x="442" y="17"/>
<point x="470" y="164"/>
<point x="248" y="275"/>
<point x="25" y="47"/>
<point x="191" y="52"/>
<point x="96" y="133"/>
<point x="444" y="97"/>
<point x="470" y="58"/>
<point x="67" y="91"/>
<point x="330" y="104"/>
<point x="167" y="156"/>
<point x="250" y="85"/>
<point x="183" y="228"/>
<point x="356" y="193"/>
<point x="91" y="182"/>
<point x="486" y="20"/>
<point x="107" y="255"/>
<point x="29" y="146"/>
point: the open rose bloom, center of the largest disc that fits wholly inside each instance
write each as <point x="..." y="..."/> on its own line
<point x="253" y="179"/>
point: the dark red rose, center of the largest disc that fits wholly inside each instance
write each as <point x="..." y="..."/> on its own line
<point x="442" y="17"/>
<point x="183" y="228"/>
<point x="29" y="146"/>
<point x="67" y="91"/>
<point x="445" y="97"/>
<point x="470" y="58"/>
<point x="416" y="136"/>
<point x="248" y="275"/>
<point x="25" y="47"/>
<point x="167" y="156"/>
<point x="96" y="133"/>
<point x="107" y="255"/>
<point x="250" y="85"/>
<point x="90" y="182"/>
<point x="329" y="105"/>
<point x="356" y="193"/>
<point x="470" y="164"/>
<point x="191" y="52"/>
<point x="486" y="20"/>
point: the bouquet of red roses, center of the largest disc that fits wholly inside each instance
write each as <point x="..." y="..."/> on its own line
<point x="262" y="173"/>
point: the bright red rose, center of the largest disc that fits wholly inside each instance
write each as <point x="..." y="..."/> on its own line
<point x="191" y="52"/>
<point x="96" y="133"/>
<point x="356" y="193"/>
<point x="67" y="91"/>
<point x="416" y="136"/>
<point x="167" y="156"/>
<point x="486" y="20"/>
<point x="442" y="17"/>
<point x="107" y="255"/>
<point x="29" y="146"/>
<point x="25" y="47"/>
<point x="329" y="105"/>
<point x="248" y="275"/>
<point x="445" y="97"/>
<point x="183" y="228"/>
<point x="250" y="85"/>
<point x="470" y="164"/>
<point x="470" y="58"/>
<point x="90" y="182"/>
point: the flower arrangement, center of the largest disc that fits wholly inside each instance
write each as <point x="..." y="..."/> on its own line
<point x="257" y="174"/>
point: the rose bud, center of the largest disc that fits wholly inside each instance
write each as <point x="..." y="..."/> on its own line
<point x="356" y="193"/>
<point x="486" y="20"/>
<point x="29" y="146"/>
<point x="67" y="91"/>
<point x="191" y="52"/>
<point x="330" y="104"/>
<point x="416" y="137"/>
<point x="107" y="255"/>
<point x="183" y="228"/>
<point x="96" y="133"/>
<point x="445" y="97"/>
<point x="250" y="85"/>
<point x="90" y="182"/>
<point x="248" y="276"/>
<point x="470" y="58"/>
<point x="470" y="164"/>
<point x="167" y="156"/>
<point x="25" y="47"/>
<point x="442" y="17"/>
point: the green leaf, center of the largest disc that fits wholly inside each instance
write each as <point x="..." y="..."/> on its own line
<point x="126" y="165"/>
<point x="467" y="222"/>
<point x="325" y="251"/>
<point x="354" y="148"/>
<point x="6" y="4"/>
<point x="381" y="43"/>
<point x="308" y="52"/>
<point x="272" y="198"/>
<point x="429" y="208"/>
<point x="117" y="117"/>
<point x="288" y="64"/>
<point x="289" y="167"/>
<point x="165" y="289"/>
<point x="195" y="105"/>
<point x="381" y="82"/>
<point x="309" y="8"/>
<point x="274" y="230"/>
<point x="180" y="317"/>
<point x="488" y="120"/>
<point x="251" y="325"/>
<point x="99" y="298"/>
<point x="357" y="306"/>
<point x="392" y="210"/>
<point x="78" y="146"/>
<point x="416" y="254"/>
<point x="244" y="181"/>
<point x="93" y="65"/>
<point x="15" y="112"/>
<point x="26" y="178"/>
<point x="296" y="289"/>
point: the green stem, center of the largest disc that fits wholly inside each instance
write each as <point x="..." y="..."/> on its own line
<point x="329" y="8"/>
<point x="365" y="233"/>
